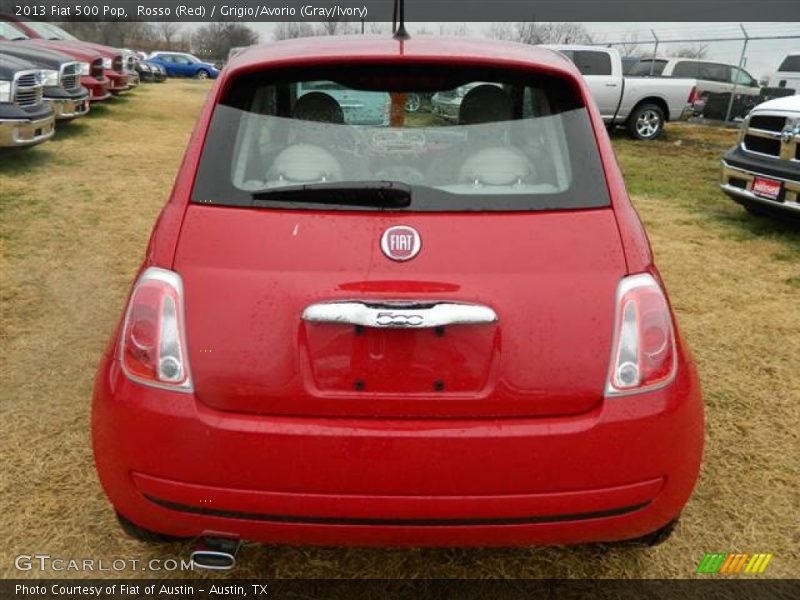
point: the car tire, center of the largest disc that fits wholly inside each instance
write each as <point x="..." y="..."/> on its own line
<point x="145" y="535"/>
<point x="646" y="122"/>
<point x="655" y="538"/>
<point x="202" y="74"/>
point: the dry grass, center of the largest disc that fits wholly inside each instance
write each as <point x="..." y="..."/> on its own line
<point x="71" y="240"/>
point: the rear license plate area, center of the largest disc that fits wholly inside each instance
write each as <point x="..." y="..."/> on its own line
<point x="457" y="359"/>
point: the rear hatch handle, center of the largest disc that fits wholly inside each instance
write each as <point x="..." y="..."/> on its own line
<point x="399" y="313"/>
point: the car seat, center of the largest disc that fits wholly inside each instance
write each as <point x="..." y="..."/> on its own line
<point x="490" y="161"/>
<point x="485" y="103"/>
<point x="319" y="107"/>
<point x="306" y="161"/>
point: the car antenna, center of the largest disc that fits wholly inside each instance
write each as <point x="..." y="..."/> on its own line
<point x="399" y="21"/>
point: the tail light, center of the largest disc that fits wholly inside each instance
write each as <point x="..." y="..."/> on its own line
<point x="643" y="354"/>
<point x="692" y="96"/>
<point x="153" y="348"/>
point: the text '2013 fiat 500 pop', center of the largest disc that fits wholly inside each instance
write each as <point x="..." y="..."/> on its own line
<point x="434" y="332"/>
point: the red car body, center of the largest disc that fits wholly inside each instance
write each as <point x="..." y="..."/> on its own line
<point x="523" y="446"/>
<point x="118" y="79"/>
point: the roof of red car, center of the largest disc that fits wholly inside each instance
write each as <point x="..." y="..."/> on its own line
<point x="385" y="47"/>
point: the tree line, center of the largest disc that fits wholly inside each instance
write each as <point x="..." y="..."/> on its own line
<point x="215" y="40"/>
<point x="211" y="40"/>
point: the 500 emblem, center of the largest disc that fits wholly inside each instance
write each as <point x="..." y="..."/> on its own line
<point x="390" y="319"/>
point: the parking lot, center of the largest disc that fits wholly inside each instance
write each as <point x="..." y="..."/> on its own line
<point x="76" y="215"/>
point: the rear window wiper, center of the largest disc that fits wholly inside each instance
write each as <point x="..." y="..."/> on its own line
<point x="379" y="194"/>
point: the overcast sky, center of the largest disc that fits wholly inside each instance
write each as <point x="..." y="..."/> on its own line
<point x="762" y="58"/>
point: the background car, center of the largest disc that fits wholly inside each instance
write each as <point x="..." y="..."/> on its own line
<point x="25" y="120"/>
<point x="762" y="172"/>
<point x="145" y="72"/>
<point x="92" y="74"/>
<point x="181" y="64"/>
<point x="155" y="72"/>
<point x="159" y="71"/>
<point x="62" y="91"/>
<point x="642" y="105"/>
<point x="150" y="72"/>
<point x="715" y="83"/>
<point x="787" y="77"/>
<point x="55" y="38"/>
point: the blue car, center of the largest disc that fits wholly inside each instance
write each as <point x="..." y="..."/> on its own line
<point x="180" y="64"/>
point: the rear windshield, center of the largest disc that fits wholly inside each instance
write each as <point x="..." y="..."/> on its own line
<point x="438" y="139"/>
<point x="790" y="64"/>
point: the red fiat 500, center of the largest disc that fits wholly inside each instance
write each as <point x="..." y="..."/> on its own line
<point x="431" y="332"/>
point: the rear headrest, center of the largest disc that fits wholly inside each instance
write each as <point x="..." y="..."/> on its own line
<point x="320" y="107"/>
<point x="485" y="103"/>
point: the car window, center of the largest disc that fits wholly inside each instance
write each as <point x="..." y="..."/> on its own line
<point x="485" y="140"/>
<point x="686" y="69"/>
<point x="742" y="77"/>
<point x="790" y="64"/>
<point x="647" y="67"/>
<point x="590" y="62"/>
<point x="628" y="62"/>
<point x="715" y="72"/>
<point x="180" y="60"/>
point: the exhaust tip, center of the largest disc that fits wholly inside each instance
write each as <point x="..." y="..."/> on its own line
<point x="215" y="553"/>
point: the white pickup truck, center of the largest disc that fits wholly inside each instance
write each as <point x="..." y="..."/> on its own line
<point x="641" y="104"/>
<point x="787" y="77"/>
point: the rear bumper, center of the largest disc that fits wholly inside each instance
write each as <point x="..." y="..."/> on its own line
<point x="20" y="133"/>
<point x="172" y="465"/>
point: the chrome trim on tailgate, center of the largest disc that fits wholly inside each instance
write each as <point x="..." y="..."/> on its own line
<point x="399" y="314"/>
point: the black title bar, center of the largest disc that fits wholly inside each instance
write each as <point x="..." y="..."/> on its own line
<point x="785" y="11"/>
<point x="214" y="588"/>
